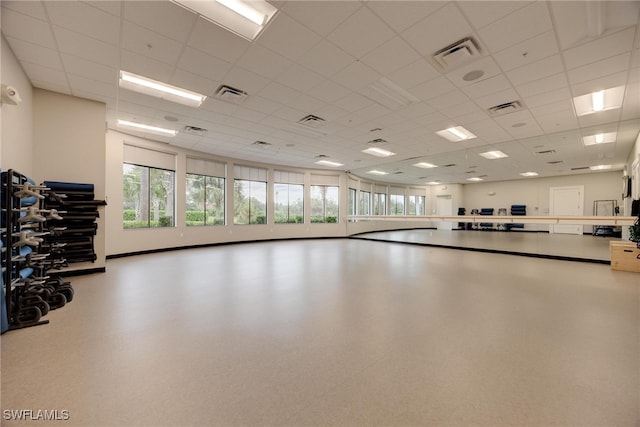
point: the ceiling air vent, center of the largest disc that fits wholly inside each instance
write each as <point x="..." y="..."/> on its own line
<point x="231" y="94"/>
<point x="506" y="108"/>
<point x="378" y="141"/>
<point x="195" y="130"/>
<point x="581" y="168"/>
<point x="261" y="144"/>
<point x="482" y="176"/>
<point x="555" y="162"/>
<point x="546" y="152"/>
<point x="458" y="53"/>
<point x="397" y="173"/>
<point x="448" y="166"/>
<point x="312" y="121"/>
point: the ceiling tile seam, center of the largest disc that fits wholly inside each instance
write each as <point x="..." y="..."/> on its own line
<point x="88" y="3"/>
<point x="57" y="45"/>
<point x="185" y="44"/>
<point x="120" y="51"/>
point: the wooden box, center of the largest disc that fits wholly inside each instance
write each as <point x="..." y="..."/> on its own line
<point x="625" y="256"/>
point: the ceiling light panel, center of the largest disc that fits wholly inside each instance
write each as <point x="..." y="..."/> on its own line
<point x="159" y="89"/>
<point x="147" y="128"/>
<point x="246" y="19"/>
<point x="425" y="165"/>
<point x="491" y="155"/>
<point x="603" y="100"/>
<point x="377" y="172"/>
<point x="600" y="167"/>
<point x="474" y="179"/>
<point x="529" y="174"/>
<point x="600" y="138"/>
<point x="378" y="152"/>
<point x="329" y="163"/>
<point x="455" y="134"/>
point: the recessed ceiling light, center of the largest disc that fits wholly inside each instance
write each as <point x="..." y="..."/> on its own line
<point x="379" y="152"/>
<point x="600" y="167"/>
<point x="600" y="138"/>
<point x="455" y="134"/>
<point x="491" y="155"/>
<point x="147" y="128"/>
<point x="328" y="163"/>
<point x="529" y="174"/>
<point x="377" y="172"/>
<point x="171" y="118"/>
<point x="474" y="178"/>
<point x="161" y="90"/>
<point x="246" y="19"/>
<point x="425" y="165"/>
<point x="601" y="100"/>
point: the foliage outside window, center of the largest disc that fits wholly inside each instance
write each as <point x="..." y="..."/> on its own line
<point x="416" y="205"/>
<point x="148" y="197"/>
<point x="396" y="204"/>
<point x="249" y="202"/>
<point x="365" y="203"/>
<point x="379" y="203"/>
<point x="204" y="200"/>
<point x="353" y="201"/>
<point x="324" y="203"/>
<point x="289" y="203"/>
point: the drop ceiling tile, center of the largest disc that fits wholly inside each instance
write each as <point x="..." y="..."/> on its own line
<point x="480" y="14"/>
<point x="601" y="118"/>
<point x="82" y="67"/>
<point x="433" y="88"/>
<point x="356" y="76"/>
<point x="112" y="7"/>
<point x="264" y="62"/>
<point x="599" y="49"/>
<point x="26" y="28"/>
<point x="547" y="98"/>
<point x="557" y="122"/>
<point x="528" y="52"/>
<point x="84" y="19"/>
<point x="614" y="64"/>
<point x="245" y="80"/>
<point x="328" y="91"/>
<point x="86" y="47"/>
<point x="528" y="129"/>
<point x="148" y="43"/>
<point x="440" y="29"/>
<point x="300" y="78"/>
<point x="414" y="74"/>
<point x="33" y="9"/>
<point x="486" y="87"/>
<point x="216" y="41"/>
<point x="288" y="38"/>
<point x="400" y="15"/>
<point x="353" y="102"/>
<point x="316" y="16"/>
<point x="202" y="64"/>
<point x="543" y="68"/>
<point x="462" y="110"/>
<point x="361" y="33"/>
<point x="82" y="84"/>
<point x="51" y="86"/>
<point x="35" y="54"/>
<point x="613" y="80"/>
<point x="517" y="27"/>
<point x="631" y="104"/>
<point x="449" y="99"/>
<point x="547" y="84"/>
<point x="486" y="66"/>
<point x="145" y="66"/>
<point x="185" y="79"/>
<point x="497" y="98"/>
<point x="166" y="18"/>
<point x="326" y="58"/>
<point x="306" y="103"/>
<point x="261" y="104"/>
<point x="279" y="93"/>
<point x="45" y="74"/>
<point x="391" y="56"/>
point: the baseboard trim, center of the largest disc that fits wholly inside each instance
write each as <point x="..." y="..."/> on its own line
<point x="80" y="272"/>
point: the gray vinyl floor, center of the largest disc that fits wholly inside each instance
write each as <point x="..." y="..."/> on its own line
<point x="583" y="247"/>
<point x="337" y="332"/>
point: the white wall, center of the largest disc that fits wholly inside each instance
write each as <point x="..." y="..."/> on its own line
<point x="123" y="241"/>
<point x="534" y="193"/>
<point x="16" y="141"/>
<point x="69" y="146"/>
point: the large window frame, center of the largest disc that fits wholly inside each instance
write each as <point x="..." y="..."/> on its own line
<point x="288" y="197"/>
<point x="416" y="205"/>
<point x="364" y="205"/>
<point x="379" y="203"/>
<point x="325" y="203"/>
<point x="148" y="196"/>
<point x="250" y="196"/>
<point x="396" y="204"/>
<point x="212" y="198"/>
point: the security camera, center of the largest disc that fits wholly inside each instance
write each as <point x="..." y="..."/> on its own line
<point x="10" y="95"/>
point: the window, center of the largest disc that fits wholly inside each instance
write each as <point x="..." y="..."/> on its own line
<point x="379" y="203"/>
<point x="148" y="183"/>
<point x="289" y="197"/>
<point x="205" y="192"/>
<point x="416" y="205"/>
<point x="249" y="195"/>
<point x="396" y="204"/>
<point x="353" y="201"/>
<point x="365" y="203"/>
<point x="324" y="203"/>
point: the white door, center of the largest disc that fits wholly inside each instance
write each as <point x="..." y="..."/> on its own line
<point x="566" y="201"/>
<point x="444" y="206"/>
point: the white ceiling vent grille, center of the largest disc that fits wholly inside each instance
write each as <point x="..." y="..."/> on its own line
<point x="506" y="108"/>
<point x="231" y="94"/>
<point x="195" y="130"/>
<point x="546" y="152"/>
<point x="312" y="121"/>
<point x="458" y="53"/>
<point x="261" y="144"/>
<point x="378" y="141"/>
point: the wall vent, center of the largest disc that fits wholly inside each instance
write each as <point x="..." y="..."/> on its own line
<point x="506" y="108"/>
<point x="312" y="121"/>
<point x="458" y="53"/>
<point x="448" y="166"/>
<point x="546" y="152"/>
<point x="581" y="168"/>
<point x="195" y="130"/>
<point x="555" y="162"/>
<point x="231" y="94"/>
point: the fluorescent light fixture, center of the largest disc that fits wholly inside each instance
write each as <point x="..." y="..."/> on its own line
<point x="602" y="100"/>
<point x="474" y="178"/>
<point x="600" y="167"/>
<point x="529" y="174"/>
<point x="243" y="18"/>
<point x="328" y="163"/>
<point x="433" y="183"/>
<point x="147" y="128"/>
<point x="425" y="165"/>
<point x="377" y="172"/>
<point x="455" y="134"/>
<point x="161" y="90"/>
<point x="600" y="138"/>
<point x="491" y="155"/>
<point x="379" y="152"/>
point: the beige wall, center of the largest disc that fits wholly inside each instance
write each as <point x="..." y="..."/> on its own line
<point x="16" y="141"/>
<point x="69" y="145"/>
